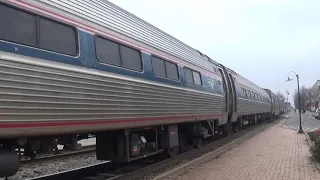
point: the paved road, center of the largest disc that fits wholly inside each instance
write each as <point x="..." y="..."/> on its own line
<point x="309" y="123"/>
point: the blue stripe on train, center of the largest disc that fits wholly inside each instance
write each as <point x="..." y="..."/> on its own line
<point x="87" y="58"/>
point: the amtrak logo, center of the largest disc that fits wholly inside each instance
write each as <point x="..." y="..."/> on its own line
<point x="211" y="84"/>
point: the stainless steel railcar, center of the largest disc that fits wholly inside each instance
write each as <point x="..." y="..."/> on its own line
<point x="71" y="67"/>
<point x="275" y="103"/>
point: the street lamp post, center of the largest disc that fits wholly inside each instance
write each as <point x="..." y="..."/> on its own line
<point x="300" y="128"/>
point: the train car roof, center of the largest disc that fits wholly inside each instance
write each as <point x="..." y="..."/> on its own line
<point x="245" y="82"/>
<point x="272" y="93"/>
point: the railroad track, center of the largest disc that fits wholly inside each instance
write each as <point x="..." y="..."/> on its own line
<point x="146" y="167"/>
<point x="61" y="154"/>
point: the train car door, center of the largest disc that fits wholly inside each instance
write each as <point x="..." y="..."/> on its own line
<point x="230" y="91"/>
<point x="226" y="90"/>
<point x="273" y="104"/>
<point x="234" y="93"/>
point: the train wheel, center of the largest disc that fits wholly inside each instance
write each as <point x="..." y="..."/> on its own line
<point x="197" y="142"/>
<point x="236" y="128"/>
<point x="182" y="143"/>
<point x="173" y="151"/>
<point x="227" y="129"/>
<point x="9" y="163"/>
<point x="33" y="155"/>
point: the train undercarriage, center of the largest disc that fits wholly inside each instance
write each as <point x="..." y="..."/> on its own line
<point x="132" y="144"/>
<point x="127" y="144"/>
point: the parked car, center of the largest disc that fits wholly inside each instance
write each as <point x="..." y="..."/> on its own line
<point x="316" y="114"/>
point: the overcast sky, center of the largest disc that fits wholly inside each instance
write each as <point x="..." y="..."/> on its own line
<point x="260" y="39"/>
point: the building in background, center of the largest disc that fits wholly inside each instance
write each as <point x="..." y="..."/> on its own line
<point x="316" y="89"/>
<point x="287" y="106"/>
<point x="316" y="86"/>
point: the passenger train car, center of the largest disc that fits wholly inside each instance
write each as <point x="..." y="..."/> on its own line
<point x="77" y="67"/>
<point x="275" y="103"/>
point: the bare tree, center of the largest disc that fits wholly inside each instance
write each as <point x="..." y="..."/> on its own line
<point x="304" y="98"/>
<point x="314" y="94"/>
<point x="281" y="96"/>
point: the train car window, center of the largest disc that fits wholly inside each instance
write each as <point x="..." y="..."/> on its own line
<point x="107" y="51"/>
<point x="172" y="70"/>
<point x="188" y="75"/>
<point x="32" y="30"/>
<point x="17" y="26"/>
<point x="158" y="67"/>
<point x="130" y="58"/>
<point x="196" y="78"/>
<point x="57" y="37"/>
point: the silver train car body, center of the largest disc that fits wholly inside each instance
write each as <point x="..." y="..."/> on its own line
<point x="275" y="103"/>
<point x="58" y="95"/>
<point x="48" y="92"/>
<point x="42" y="97"/>
<point x="257" y="100"/>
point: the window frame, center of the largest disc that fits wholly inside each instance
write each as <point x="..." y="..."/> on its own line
<point x="76" y="33"/>
<point x="185" y="75"/>
<point x="192" y="76"/>
<point x="140" y="57"/>
<point x="199" y="78"/>
<point x="176" y="66"/>
<point x="119" y="49"/>
<point x="165" y="68"/>
<point x="26" y="12"/>
<point x="38" y="16"/>
<point x="102" y="62"/>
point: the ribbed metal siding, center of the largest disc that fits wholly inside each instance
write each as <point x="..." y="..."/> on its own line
<point x="251" y="107"/>
<point x="243" y="82"/>
<point x="110" y="16"/>
<point x="44" y="93"/>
